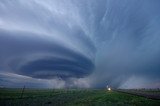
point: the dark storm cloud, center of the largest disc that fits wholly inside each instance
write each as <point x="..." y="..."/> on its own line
<point x="43" y="43"/>
<point x="68" y="63"/>
<point x="67" y="39"/>
<point x="47" y="68"/>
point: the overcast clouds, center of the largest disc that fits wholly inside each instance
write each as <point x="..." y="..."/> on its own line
<point x="86" y="43"/>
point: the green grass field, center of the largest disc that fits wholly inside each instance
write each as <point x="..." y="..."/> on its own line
<point x="35" y="97"/>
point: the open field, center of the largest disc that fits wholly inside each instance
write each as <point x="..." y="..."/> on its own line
<point x="71" y="97"/>
<point x="147" y="93"/>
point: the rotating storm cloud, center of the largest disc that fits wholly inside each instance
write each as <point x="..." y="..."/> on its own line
<point x="87" y="43"/>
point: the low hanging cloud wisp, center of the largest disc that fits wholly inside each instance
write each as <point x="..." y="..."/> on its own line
<point x="80" y="43"/>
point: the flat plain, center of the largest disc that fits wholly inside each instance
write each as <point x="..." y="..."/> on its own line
<point x="72" y="97"/>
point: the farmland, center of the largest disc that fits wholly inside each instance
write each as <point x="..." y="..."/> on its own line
<point x="71" y="97"/>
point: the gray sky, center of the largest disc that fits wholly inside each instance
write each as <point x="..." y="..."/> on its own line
<point x="86" y="43"/>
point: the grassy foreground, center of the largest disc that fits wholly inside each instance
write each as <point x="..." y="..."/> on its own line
<point x="35" y="97"/>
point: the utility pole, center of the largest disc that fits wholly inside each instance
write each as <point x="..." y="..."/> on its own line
<point x="22" y="91"/>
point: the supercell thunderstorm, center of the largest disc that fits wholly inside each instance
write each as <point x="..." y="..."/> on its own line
<point x="87" y="43"/>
